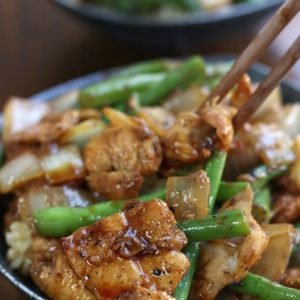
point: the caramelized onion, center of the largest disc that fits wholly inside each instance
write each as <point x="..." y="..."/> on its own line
<point x="276" y="256"/>
<point x="19" y="171"/>
<point x="188" y="100"/>
<point x="63" y="164"/>
<point x="188" y="196"/>
<point x="83" y="132"/>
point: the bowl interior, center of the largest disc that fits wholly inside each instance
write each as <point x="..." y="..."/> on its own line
<point x="257" y="72"/>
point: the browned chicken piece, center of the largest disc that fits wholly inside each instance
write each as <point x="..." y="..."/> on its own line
<point x="226" y="261"/>
<point x="146" y="294"/>
<point x="50" y="270"/>
<point x="286" y="208"/>
<point x="193" y="136"/>
<point x="119" y="158"/>
<point x="291" y="278"/>
<point x="138" y="248"/>
<point x="48" y="131"/>
<point x="242" y="92"/>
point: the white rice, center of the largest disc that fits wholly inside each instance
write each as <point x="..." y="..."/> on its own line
<point x="19" y="240"/>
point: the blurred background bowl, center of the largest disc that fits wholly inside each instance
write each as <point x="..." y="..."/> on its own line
<point x="181" y="34"/>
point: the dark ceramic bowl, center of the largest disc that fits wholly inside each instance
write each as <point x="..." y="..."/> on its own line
<point x="290" y="94"/>
<point x="176" y="35"/>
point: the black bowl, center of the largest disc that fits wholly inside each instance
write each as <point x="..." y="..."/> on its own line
<point x="258" y="72"/>
<point x="176" y="35"/>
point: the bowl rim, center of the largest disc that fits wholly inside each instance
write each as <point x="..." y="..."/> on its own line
<point x="236" y="11"/>
<point x="77" y="83"/>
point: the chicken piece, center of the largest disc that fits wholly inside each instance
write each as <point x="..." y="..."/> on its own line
<point x="286" y="208"/>
<point x="48" y="131"/>
<point x="193" y="136"/>
<point x="118" y="160"/>
<point x="51" y="271"/>
<point x="120" y="254"/>
<point x="145" y="294"/>
<point x="226" y="261"/>
<point x="291" y="278"/>
<point x="220" y="117"/>
<point x="242" y="92"/>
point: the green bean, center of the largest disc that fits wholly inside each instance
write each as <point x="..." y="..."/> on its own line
<point x="192" y="71"/>
<point x="146" y="67"/>
<point x="61" y="221"/>
<point x="263" y="175"/>
<point x="116" y="91"/>
<point x="192" y="251"/>
<point x="151" y="88"/>
<point x="219" y="226"/>
<point x="265" y="289"/>
<point x="214" y="170"/>
<point x="261" y="201"/>
<point x="228" y="190"/>
<point x="262" y="205"/>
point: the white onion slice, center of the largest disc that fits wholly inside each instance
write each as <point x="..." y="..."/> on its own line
<point x="188" y="100"/>
<point x="64" y="102"/>
<point x="20" y="114"/>
<point x="51" y="196"/>
<point x="83" y="132"/>
<point x="276" y="256"/>
<point x="63" y="164"/>
<point x="290" y="119"/>
<point x="188" y="196"/>
<point x="19" y="171"/>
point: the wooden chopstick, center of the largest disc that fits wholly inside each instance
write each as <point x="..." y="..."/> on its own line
<point x="268" y="84"/>
<point x="256" y="48"/>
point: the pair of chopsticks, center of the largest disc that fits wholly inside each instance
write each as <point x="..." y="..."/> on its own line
<point x="253" y="52"/>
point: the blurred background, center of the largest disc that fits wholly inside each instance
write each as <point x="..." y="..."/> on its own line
<point x="41" y="46"/>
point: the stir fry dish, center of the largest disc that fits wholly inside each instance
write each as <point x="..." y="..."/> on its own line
<point x="137" y="188"/>
<point x="167" y="8"/>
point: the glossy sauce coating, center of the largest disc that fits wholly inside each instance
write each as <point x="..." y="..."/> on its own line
<point x="138" y="248"/>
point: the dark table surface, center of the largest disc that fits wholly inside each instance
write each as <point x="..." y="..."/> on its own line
<point x="41" y="46"/>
